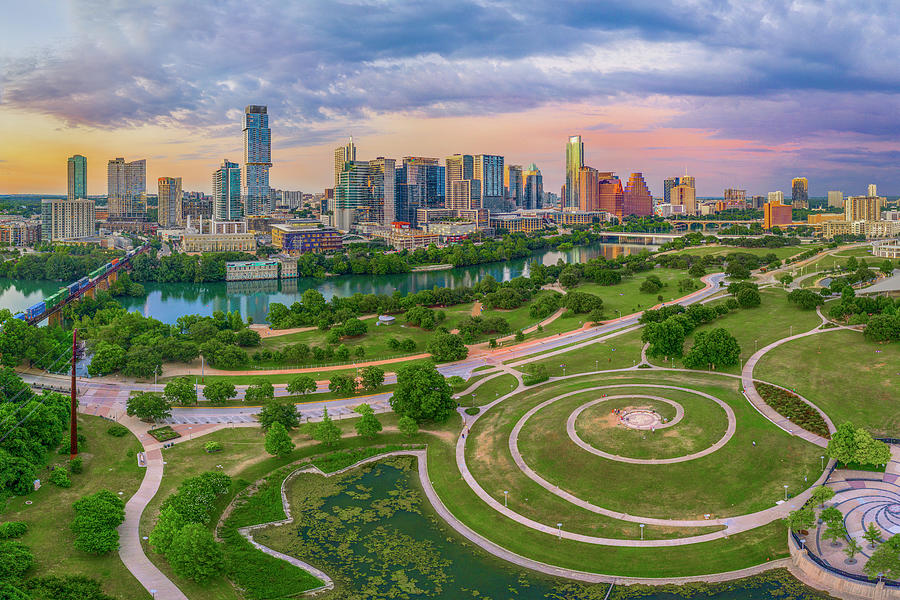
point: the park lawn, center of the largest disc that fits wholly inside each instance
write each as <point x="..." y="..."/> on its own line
<point x="848" y="377"/>
<point x="736" y="552"/>
<point x="737" y="479"/>
<point x="718" y="250"/>
<point x="627" y="297"/>
<point x="278" y="378"/>
<point x="755" y="328"/>
<point x="106" y="466"/>
<point x="245" y="460"/>
<point x="489" y="390"/>
<point x="618" y="352"/>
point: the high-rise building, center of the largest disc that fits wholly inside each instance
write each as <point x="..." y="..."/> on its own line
<point x="532" y="188"/>
<point x="514" y="184"/>
<point x="835" y="199"/>
<point x="735" y="197"/>
<point x="77" y="176"/>
<point x="64" y="219"/>
<point x="638" y="200"/>
<point x="420" y="183"/>
<point x="611" y="196"/>
<point x="351" y="194"/>
<point x="668" y="184"/>
<point x="126" y="188"/>
<point x="872" y="191"/>
<point x="382" y="195"/>
<point x="226" y="186"/>
<point x="169" y="204"/>
<point x="342" y="155"/>
<point x="776" y="197"/>
<point x="588" y="186"/>
<point x="461" y="167"/>
<point x="862" y="208"/>
<point x="488" y="170"/>
<point x="685" y="195"/>
<point x="689" y="181"/>
<point x="776" y="214"/>
<point x="574" y="162"/>
<point x="799" y="192"/>
<point x="256" y="193"/>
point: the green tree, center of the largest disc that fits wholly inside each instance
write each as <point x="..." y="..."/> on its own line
<point x="805" y="299"/>
<point x="148" y="406"/>
<point x="886" y="267"/>
<point x="786" y="279"/>
<point x="423" y="394"/>
<point x="372" y="378"/>
<point x="15" y="560"/>
<point x="711" y="348"/>
<point x="96" y="518"/>
<point x="219" y="392"/>
<point x="696" y="270"/>
<point x="302" y="385"/>
<point x="748" y="298"/>
<point x="341" y="384"/>
<point x="107" y="358"/>
<point x="665" y="338"/>
<point x="853" y="548"/>
<point x="260" y="392"/>
<point x="180" y="391"/>
<point x="821" y="495"/>
<point x="368" y="425"/>
<point x="883" y="328"/>
<point x="60" y="478"/>
<point x="520" y="336"/>
<point x="800" y="519"/>
<point x="194" y="553"/>
<point x="278" y="411"/>
<point x="327" y="432"/>
<point x="445" y="347"/>
<point x="831" y="515"/>
<point x="168" y="524"/>
<point x="850" y="444"/>
<point x="872" y="535"/>
<point x="835" y="532"/>
<point x="278" y="442"/>
<point x="408" y="426"/>
<point x="885" y="560"/>
<point x="247" y="338"/>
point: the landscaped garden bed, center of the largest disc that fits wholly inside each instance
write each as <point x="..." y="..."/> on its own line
<point x="790" y="406"/>
<point x="164" y="434"/>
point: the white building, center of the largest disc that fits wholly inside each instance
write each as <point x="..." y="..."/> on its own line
<point x="64" y="219"/>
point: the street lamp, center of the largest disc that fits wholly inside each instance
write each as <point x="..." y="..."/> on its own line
<point x="505" y="498"/>
<point x="823" y="462"/>
<point x="755" y="345"/>
<point x="559" y="531"/>
<point x="785" y="492"/>
<point x="642" y="532"/>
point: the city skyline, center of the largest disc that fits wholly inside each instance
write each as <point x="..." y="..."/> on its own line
<point x="694" y="88"/>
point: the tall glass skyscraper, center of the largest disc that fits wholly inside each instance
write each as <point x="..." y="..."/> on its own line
<point x="77" y="175"/>
<point x="488" y="169"/>
<point x="574" y="162"/>
<point x="420" y="184"/>
<point x="226" y="185"/>
<point x="533" y="189"/>
<point x="257" y="195"/>
<point x="126" y="188"/>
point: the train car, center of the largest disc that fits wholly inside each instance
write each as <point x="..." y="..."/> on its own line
<point x="35" y="310"/>
<point x="56" y="298"/>
<point x="72" y="288"/>
<point x="21" y="316"/>
<point x="107" y="267"/>
<point x="83" y="283"/>
<point x="114" y="262"/>
<point x="96" y="273"/>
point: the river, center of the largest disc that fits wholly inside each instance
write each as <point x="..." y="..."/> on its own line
<point x="168" y="301"/>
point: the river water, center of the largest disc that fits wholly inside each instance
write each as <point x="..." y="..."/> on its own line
<point x="168" y="301"/>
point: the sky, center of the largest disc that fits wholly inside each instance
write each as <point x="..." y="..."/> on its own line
<point x="738" y="94"/>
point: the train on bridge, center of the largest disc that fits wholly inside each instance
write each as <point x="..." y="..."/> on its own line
<point x="38" y="312"/>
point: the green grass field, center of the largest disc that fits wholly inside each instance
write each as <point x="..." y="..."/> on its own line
<point x="781" y="253"/>
<point x="627" y="297"/>
<point x="615" y="353"/>
<point x="490" y="390"/>
<point x="849" y="378"/>
<point x="106" y="466"/>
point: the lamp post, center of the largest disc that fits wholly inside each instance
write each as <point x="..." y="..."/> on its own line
<point x="642" y="532"/>
<point x="559" y="531"/>
<point x="823" y="462"/>
<point x="785" y="492"/>
<point x="505" y="498"/>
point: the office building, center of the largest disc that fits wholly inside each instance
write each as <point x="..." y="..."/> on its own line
<point x="420" y="183"/>
<point x="776" y="197"/>
<point x="574" y="162"/>
<point x="293" y="239"/>
<point x="126" y="188"/>
<point x="686" y="196"/>
<point x="532" y="188"/>
<point x="588" y="186"/>
<point x="218" y="242"/>
<point x="250" y="270"/>
<point x="800" y="192"/>
<point x="862" y="208"/>
<point x="835" y="199"/>
<point x="170" y="202"/>
<point x="351" y="194"/>
<point x="734" y="198"/>
<point x="488" y="170"/>
<point x="77" y="177"/>
<point x="757" y="202"/>
<point x="668" y="184"/>
<point x="514" y="184"/>
<point x="688" y="180"/>
<point x="343" y="154"/>
<point x="638" y="200"/>
<point x="256" y="194"/>
<point x="517" y="223"/>
<point x="872" y="190"/>
<point x="463" y="190"/>
<point x="226" y="197"/>
<point x="776" y="214"/>
<point x="611" y="196"/>
<point x="382" y="194"/>
<point x="197" y="207"/>
<point x="64" y="219"/>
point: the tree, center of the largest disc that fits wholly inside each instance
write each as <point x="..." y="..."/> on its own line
<point x="148" y="406"/>
<point x="196" y="496"/>
<point x="107" y="358"/>
<point x="665" y="339"/>
<point x="408" y="426"/>
<point x="278" y="442"/>
<point x="372" y="378"/>
<point x="302" y="385"/>
<point x="853" y="548"/>
<point x="327" y="432"/>
<point x="260" y="392"/>
<point x="520" y="336"/>
<point x="651" y="285"/>
<point x="872" y="535"/>
<point x="368" y="425"/>
<point x="278" y="411"/>
<point x="749" y="298"/>
<point x="831" y="515"/>
<point x="786" y="279"/>
<point x="60" y="478"/>
<point x="180" y="391"/>
<point x="736" y="270"/>
<point x="194" y="553"/>
<point x="835" y="532"/>
<point x="341" y="384"/>
<point x="423" y="394"/>
<point x="711" y="348"/>
<point x="883" y="328"/>
<point x="849" y="444"/>
<point x="886" y="267"/>
<point x="168" y="525"/>
<point x="96" y="518"/>
<point x="247" y="338"/>
<point x="696" y="270"/>
<point x="805" y="299"/>
<point x="219" y="391"/>
<point x="446" y="347"/>
<point x="821" y="495"/>
<point x="15" y="559"/>
<point x="801" y="519"/>
<point x="885" y="560"/>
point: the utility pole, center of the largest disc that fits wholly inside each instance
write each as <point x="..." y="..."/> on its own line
<point x="73" y="420"/>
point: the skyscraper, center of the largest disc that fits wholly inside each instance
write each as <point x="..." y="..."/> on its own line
<point x="126" y="188"/>
<point x="351" y="194"/>
<point x="611" y="196"/>
<point x="461" y="195"/>
<point x="382" y="195"/>
<point x="688" y="180"/>
<point x="257" y="196"/>
<point x="64" y="219"/>
<point x="638" y="200"/>
<point x="862" y="208"/>
<point x="420" y="184"/>
<point x="77" y="176"/>
<point x="488" y="170"/>
<point x="668" y="184"/>
<point x="588" y="189"/>
<point x="514" y="184"/>
<point x="775" y="196"/>
<point x="686" y="196"/>
<point x="532" y="188"/>
<point x="574" y="162"/>
<point x="835" y="199"/>
<point x="169" y="211"/>
<point x="226" y="186"/>
<point x="872" y="191"/>
<point x="734" y="197"/>
<point x="799" y="192"/>
<point x="343" y="154"/>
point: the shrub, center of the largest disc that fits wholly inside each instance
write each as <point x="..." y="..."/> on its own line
<point x="211" y="447"/>
<point x="12" y="529"/>
<point x="790" y="406"/>
<point x="97" y="517"/>
<point x="536" y="374"/>
<point x="196" y="496"/>
<point x="60" y="478"/>
<point x="76" y="465"/>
